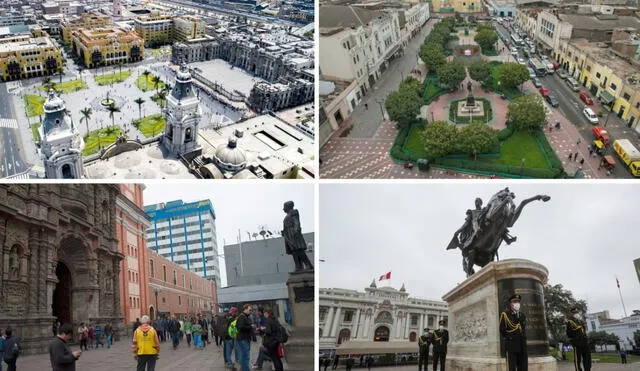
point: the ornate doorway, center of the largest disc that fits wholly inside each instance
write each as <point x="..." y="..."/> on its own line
<point x="382" y="334"/>
<point x="62" y="294"/>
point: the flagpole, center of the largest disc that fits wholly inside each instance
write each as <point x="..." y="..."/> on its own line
<point x="622" y="301"/>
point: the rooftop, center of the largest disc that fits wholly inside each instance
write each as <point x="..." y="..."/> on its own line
<point x="332" y="16"/>
<point x="333" y="90"/>
<point x="600" y="22"/>
<point x="30" y="44"/>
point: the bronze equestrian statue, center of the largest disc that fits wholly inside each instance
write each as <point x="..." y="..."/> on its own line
<point x="485" y="228"/>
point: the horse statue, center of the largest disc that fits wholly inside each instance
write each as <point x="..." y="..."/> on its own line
<point x="486" y="228"/>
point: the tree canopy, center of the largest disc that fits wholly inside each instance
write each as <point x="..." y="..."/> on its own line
<point x="451" y="74"/>
<point x="432" y="56"/>
<point x="480" y="70"/>
<point x="513" y="74"/>
<point x="527" y="112"/>
<point x="403" y="105"/>
<point x="477" y="138"/>
<point x="603" y="338"/>
<point x="486" y="38"/>
<point x="411" y="83"/>
<point x="439" y="138"/>
<point x="557" y="302"/>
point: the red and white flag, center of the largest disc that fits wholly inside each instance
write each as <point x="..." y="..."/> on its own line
<point x="617" y="282"/>
<point x="386" y="276"/>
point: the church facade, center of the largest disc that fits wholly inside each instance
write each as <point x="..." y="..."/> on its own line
<point x="382" y="314"/>
<point x="60" y="258"/>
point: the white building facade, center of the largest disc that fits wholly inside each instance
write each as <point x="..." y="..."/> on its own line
<point x="376" y="315"/>
<point x="623" y="328"/>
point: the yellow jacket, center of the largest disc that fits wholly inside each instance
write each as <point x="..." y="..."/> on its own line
<point x="145" y="341"/>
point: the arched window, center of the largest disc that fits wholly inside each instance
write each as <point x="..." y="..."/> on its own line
<point x="344" y="335"/>
<point x="188" y="137"/>
<point x="67" y="173"/>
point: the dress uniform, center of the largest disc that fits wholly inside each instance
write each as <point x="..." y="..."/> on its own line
<point x="576" y="332"/>
<point x="440" y="341"/>
<point x="424" y="342"/>
<point x="513" y="331"/>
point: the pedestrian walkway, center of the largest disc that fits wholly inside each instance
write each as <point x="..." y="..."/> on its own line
<point x="8" y="123"/>
<point x="120" y="357"/>
<point x="23" y="175"/>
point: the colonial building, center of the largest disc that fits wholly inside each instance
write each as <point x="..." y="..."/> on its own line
<point x="267" y="97"/>
<point x="107" y="46"/>
<point x="155" y="28"/>
<point x="86" y="20"/>
<point x="60" y="258"/>
<point x="624" y="328"/>
<point x="350" y="318"/>
<point x="61" y="144"/>
<point x="183" y="116"/>
<point x="28" y="55"/>
<point x="188" y="27"/>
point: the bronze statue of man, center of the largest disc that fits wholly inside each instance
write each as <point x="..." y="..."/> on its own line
<point x="294" y="242"/>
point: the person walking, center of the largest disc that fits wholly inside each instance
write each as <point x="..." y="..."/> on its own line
<point x="197" y="336"/>
<point x="512" y="329"/>
<point x="1" y="348"/>
<point x="108" y="332"/>
<point x="83" y="333"/>
<point x="440" y="340"/>
<point x="223" y="325"/>
<point x="146" y="346"/>
<point x="576" y="332"/>
<point x="11" y="350"/>
<point x="623" y="356"/>
<point x="204" y="330"/>
<point x="136" y="324"/>
<point x="173" y="326"/>
<point x="187" y="331"/>
<point x="272" y="339"/>
<point x="60" y="354"/>
<point x="243" y="341"/>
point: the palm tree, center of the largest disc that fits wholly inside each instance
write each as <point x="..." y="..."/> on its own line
<point x="113" y="109"/>
<point x="139" y="102"/>
<point x="168" y="87"/>
<point x="156" y="81"/>
<point x="86" y="115"/>
<point x="161" y="97"/>
<point x="120" y="66"/>
<point x="146" y="74"/>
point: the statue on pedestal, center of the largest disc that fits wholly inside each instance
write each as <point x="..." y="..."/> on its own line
<point x="471" y="101"/>
<point x="294" y="242"/>
<point x="485" y="228"/>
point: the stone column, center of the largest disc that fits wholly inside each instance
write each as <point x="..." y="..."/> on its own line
<point x="397" y="328"/>
<point x="406" y="327"/>
<point x="354" y="327"/>
<point x="326" y="331"/>
<point x="336" y="322"/>
<point x="421" y="323"/>
<point x="367" y="324"/>
<point x="116" y="289"/>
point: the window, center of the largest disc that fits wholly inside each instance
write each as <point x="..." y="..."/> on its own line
<point x="593" y="325"/>
<point x="151" y="268"/>
<point x="348" y="316"/>
<point x="613" y="86"/>
<point x="638" y="105"/>
<point x="164" y="300"/>
<point x="598" y="74"/>
<point x="175" y="278"/>
<point x="626" y="96"/>
<point x="589" y="68"/>
<point x="414" y="320"/>
<point x="183" y="280"/>
<point x="191" y="283"/>
<point x="164" y="272"/>
<point x="179" y="300"/>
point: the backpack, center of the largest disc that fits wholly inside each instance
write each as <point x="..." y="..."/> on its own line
<point x="233" y="329"/>
<point x="283" y="336"/>
<point x="1" y="345"/>
<point x="10" y="355"/>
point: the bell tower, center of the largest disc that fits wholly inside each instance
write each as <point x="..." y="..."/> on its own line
<point x="61" y="144"/>
<point x="182" y="115"/>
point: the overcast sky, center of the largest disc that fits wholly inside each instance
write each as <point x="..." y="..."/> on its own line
<point x="585" y="236"/>
<point x="243" y="206"/>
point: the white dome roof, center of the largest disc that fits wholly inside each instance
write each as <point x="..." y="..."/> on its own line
<point x="231" y="157"/>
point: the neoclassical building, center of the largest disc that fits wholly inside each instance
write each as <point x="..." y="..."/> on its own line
<point x="60" y="258"/>
<point x="380" y="314"/>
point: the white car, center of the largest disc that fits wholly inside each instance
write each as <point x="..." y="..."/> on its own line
<point x="522" y="61"/>
<point x="591" y="116"/>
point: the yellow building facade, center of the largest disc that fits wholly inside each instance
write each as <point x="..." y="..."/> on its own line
<point x="614" y="81"/>
<point x="155" y="29"/>
<point x="26" y="56"/>
<point x="107" y="46"/>
<point x="461" y="6"/>
<point x="188" y="28"/>
<point x="86" y="20"/>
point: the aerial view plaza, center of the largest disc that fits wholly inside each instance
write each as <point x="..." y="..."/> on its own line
<point x="470" y="89"/>
<point x="157" y="90"/>
<point x="533" y="292"/>
<point x="140" y="276"/>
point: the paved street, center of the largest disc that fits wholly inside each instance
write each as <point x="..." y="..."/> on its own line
<point x="120" y="357"/>
<point x="12" y="160"/>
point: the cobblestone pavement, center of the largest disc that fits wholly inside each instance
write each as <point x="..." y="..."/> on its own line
<point x="562" y="366"/>
<point x="120" y="357"/>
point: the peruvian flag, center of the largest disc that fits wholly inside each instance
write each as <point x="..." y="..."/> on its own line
<point x="386" y="276"/>
<point x="617" y="282"/>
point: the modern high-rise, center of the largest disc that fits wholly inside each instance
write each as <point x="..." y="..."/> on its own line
<point x="185" y="233"/>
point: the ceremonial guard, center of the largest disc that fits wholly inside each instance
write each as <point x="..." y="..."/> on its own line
<point x="440" y="341"/>
<point x="424" y="342"/>
<point x="576" y="332"/>
<point x="513" y="331"/>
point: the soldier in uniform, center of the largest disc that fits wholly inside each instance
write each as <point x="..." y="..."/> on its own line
<point x="424" y="341"/>
<point x="513" y="331"/>
<point x="576" y="332"/>
<point x="440" y="341"/>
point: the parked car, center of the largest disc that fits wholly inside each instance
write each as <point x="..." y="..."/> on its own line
<point x="590" y="115"/>
<point x="522" y="61"/>
<point x="514" y="51"/>
<point x="544" y="91"/>
<point x="553" y="101"/>
<point x="584" y="96"/>
<point x="573" y="84"/>
<point x="532" y="73"/>
<point x="536" y="82"/>
<point x="563" y="75"/>
<point x="599" y="133"/>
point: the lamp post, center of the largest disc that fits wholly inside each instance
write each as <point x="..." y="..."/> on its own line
<point x="523" y="161"/>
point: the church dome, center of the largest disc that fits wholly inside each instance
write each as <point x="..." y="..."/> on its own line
<point x="230" y="157"/>
<point x="183" y="74"/>
<point x="53" y="103"/>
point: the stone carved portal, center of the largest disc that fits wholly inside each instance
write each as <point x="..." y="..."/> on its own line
<point x="61" y="307"/>
<point x="381" y="334"/>
<point x="471" y="324"/>
<point x="384" y="317"/>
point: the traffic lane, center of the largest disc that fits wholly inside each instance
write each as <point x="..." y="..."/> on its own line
<point x="11" y="162"/>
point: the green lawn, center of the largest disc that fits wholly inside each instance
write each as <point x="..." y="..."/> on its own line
<point x="415" y="142"/>
<point x="34" y="105"/>
<point x="101" y="137"/>
<point x="146" y="83"/>
<point x="493" y="83"/>
<point x="161" y="102"/>
<point x="34" y="132"/>
<point x="431" y="89"/>
<point x="112" y="78"/>
<point x="606" y="357"/>
<point x="68" y="86"/>
<point x="150" y="125"/>
<point x="520" y="145"/>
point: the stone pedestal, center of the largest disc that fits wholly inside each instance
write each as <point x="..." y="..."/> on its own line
<point x="474" y="309"/>
<point x="299" y="353"/>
